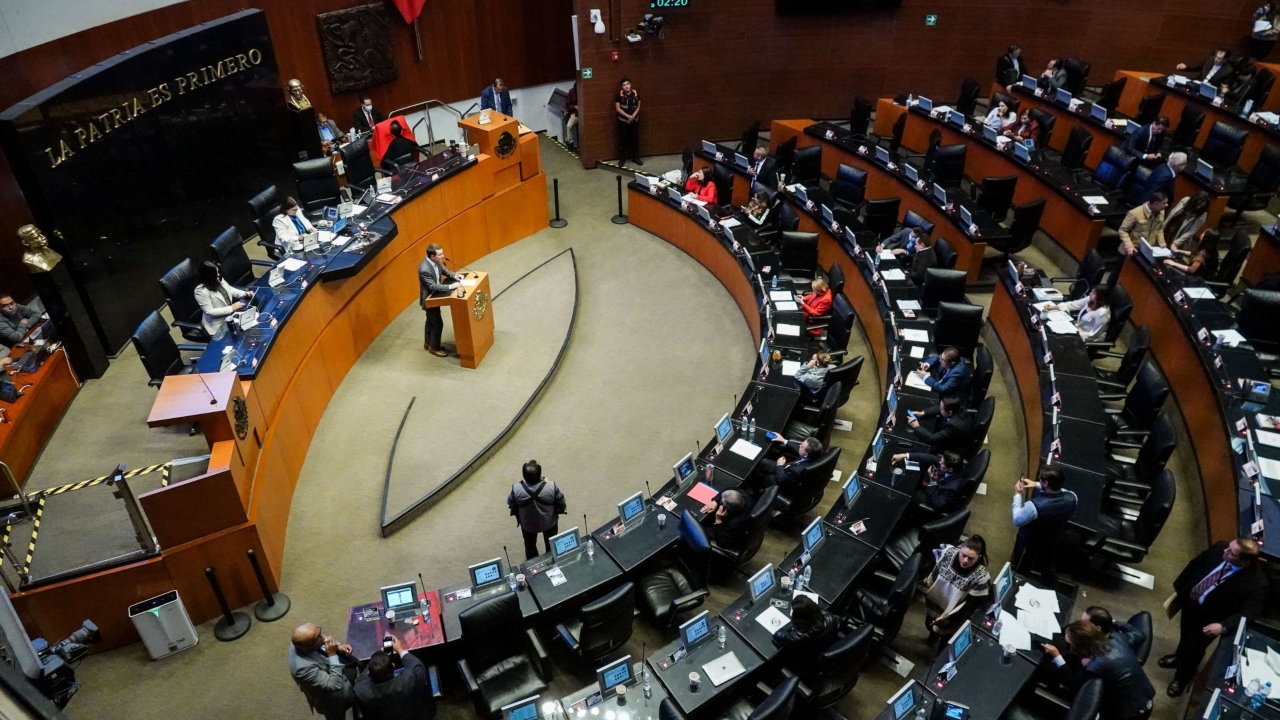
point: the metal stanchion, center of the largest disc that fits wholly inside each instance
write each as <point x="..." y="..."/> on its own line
<point x="272" y="606"/>
<point x="620" y="218"/>
<point x="233" y="625"/>
<point x="557" y="221"/>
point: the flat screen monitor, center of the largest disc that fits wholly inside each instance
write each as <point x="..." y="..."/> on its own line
<point x="709" y="147"/>
<point x="399" y="596"/>
<point x="912" y="174"/>
<point x="1062" y="96"/>
<point x="952" y="710"/>
<point x="940" y="193"/>
<point x="764" y="352"/>
<point x="1240" y="636"/>
<point x="696" y="631"/>
<point x="827" y="217"/>
<point x="1003" y="581"/>
<point x="891" y="401"/>
<point x="1131" y="128"/>
<point x="1021" y="152"/>
<point x="903" y="702"/>
<point x="526" y="709"/>
<point x="1014" y="276"/>
<point x="882" y="156"/>
<point x="631" y="508"/>
<point x="960" y="641"/>
<point x="724" y="428"/>
<point x="1029" y="82"/>
<point x="564" y="543"/>
<point x="1204" y="170"/>
<point x="331" y="214"/>
<point x="614" y="674"/>
<point x="761" y="582"/>
<point x="684" y="469"/>
<point x="1098" y="112"/>
<point x="704" y="213"/>
<point x="926" y="104"/>
<point x="877" y="445"/>
<point x="486" y="572"/>
<point x="674" y="194"/>
<point x="802" y="194"/>
<point x="813" y="535"/>
<point x="1208" y="90"/>
<point x="955" y="117"/>
<point x="1213" y="710"/>
<point x="741" y="161"/>
<point x="851" y="236"/>
<point x="851" y="488"/>
<point x="966" y="217"/>
<point x="989" y="132"/>
<point x="644" y="180"/>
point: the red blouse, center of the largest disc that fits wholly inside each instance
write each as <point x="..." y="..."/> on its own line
<point x="706" y="193"/>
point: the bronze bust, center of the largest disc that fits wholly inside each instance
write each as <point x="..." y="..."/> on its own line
<point x="39" y="257"/>
<point x="297" y="100"/>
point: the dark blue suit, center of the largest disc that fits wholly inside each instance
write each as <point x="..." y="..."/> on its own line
<point x="501" y="103"/>
<point x="1143" y="142"/>
<point x="948" y="381"/>
<point x="1162" y="179"/>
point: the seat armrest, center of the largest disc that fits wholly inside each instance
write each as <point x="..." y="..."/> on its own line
<point x="1116" y="355"/>
<point x="1109" y="384"/>
<point x="1111" y="411"/>
<point x="1115" y="545"/>
<point x="1123" y="459"/>
<point x="690" y="600"/>
<point x="433" y="679"/>
<point x="193" y="347"/>
<point x="186" y="325"/>
<point x="468" y="678"/>
<point x="1100" y="345"/>
<point x="804" y="691"/>
<point x="1133" y="433"/>
<point x="821" y="323"/>
<point x="1125" y="445"/>
<point x="263" y="263"/>
<point x="725" y="553"/>
<point x="1112" y="397"/>
<point x="1132" y="485"/>
<point x="540" y="653"/>
<point x="566" y="637"/>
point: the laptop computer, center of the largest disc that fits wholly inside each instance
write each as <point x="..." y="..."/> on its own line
<point x="723" y="669"/>
<point x="526" y="709"/>
<point x="1029" y="82"/>
<point x="989" y="133"/>
<point x="1062" y="96"/>
<point x="1021" y="152"/>
<point x="912" y="174"/>
<point x="1208" y="91"/>
<point x="741" y="161"/>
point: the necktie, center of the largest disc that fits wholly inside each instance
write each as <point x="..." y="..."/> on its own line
<point x="368" y="116"/>
<point x="1209" y="582"/>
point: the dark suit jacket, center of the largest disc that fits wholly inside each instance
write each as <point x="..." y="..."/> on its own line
<point x="921" y="263"/>
<point x="1240" y="91"/>
<point x="768" y="174"/>
<point x="803" y="650"/>
<point x="433" y="280"/>
<point x="946" y="381"/>
<point x="944" y="434"/>
<point x="1162" y="179"/>
<point x="1243" y="593"/>
<point x="1125" y="687"/>
<point x="502" y="104"/>
<point x="943" y="497"/>
<point x="732" y="533"/>
<point x="359" y="122"/>
<point x="1142" y="142"/>
<point x="1200" y="70"/>
<point x="1005" y="74"/>
<point x="400" y="147"/>
<point x="403" y="697"/>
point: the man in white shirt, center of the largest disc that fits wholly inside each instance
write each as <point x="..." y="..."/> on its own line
<point x="762" y="168"/>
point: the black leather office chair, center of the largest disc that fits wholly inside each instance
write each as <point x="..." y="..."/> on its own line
<point x="840" y="327"/>
<point x="722" y="177"/>
<point x="263" y="208"/>
<point x="1262" y="185"/>
<point x="1047" y="121"/>
<point x="849" y="189"/>
<point x="895" y="138"/>
<point x="1141" y="406"/>
<point x="1149" y="108"/>
<point x="1189" y="123"/>
<point x="808" y="491"/>
<point x="788" y="220"/>
<point x="778" y="705"/>
<point x="807" y="169"/>
<point x="1088" y="273"/>
<point x="1079" y="142"/>
<point x="883" y="609"/>
<point x="798" y="253"/>
<point x="1026" y="220"/>
<point x="784" y="156"/>
<point x="948" y="165"/>
<point x="359" y="165"/>
<point x="958" y="325"/>
<point x="228" y="251"/>
<point x="668" y="710"/>
<point x="860" y="118"/>
<point x="1223" y="146"/>
<point x="317" y="185"/>
<point x="757" y="524"/>
<point x="923" y="539"/>
<point x="995" y="195"/>
<point x="820" y="423"/>
<point x="1135" y="353"/>
<point x="179" y="287"/>
<point x="1109" y="95"/>
<point x="941" y="285"/>
<point x="880" y="216"/>
<point x="1010" y="101"/>
<point x="1139" y="187"/>
<point x="935" y="141"/>
<point x="847" y="375"/>
<point x="1256" y="318"/>
<point x="1134" y="476"/>
<point x="601" y="626"/>
<point x="1077" y="75"/>
<point x="686" y="165"/>
<point x="835" y="278"/>
<point x="914" y="219"/>
<point x="973" y="474"/>
<point x="750" y="138"/>
<point x="967" y="102"/>
<point x="1114" y="169"/>
<point x="983" y="417"/>
<point x="500" y="664"/>
<point x="836" y="671"/>
<point x="680" y="585"/>
<point x="1262" y="87"/>
<point x="1086" y="705"/>
<point x="984" y="368"/>
<point x="1237" y="254"/>
<point x="1121" y="309"/>
<point x="1128" y="541"/>
<point x="946" y="254"/>
<point x="1143" y="626"/>
<point x="160" y="355"/>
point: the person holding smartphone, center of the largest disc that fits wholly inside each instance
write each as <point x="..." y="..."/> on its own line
<point x="394" y="687"/>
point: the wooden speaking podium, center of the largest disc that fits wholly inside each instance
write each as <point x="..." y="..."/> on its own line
<point x="472" y="317"/>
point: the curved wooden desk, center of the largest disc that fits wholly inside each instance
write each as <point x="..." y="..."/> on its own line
<point x="29" y="422"/>
<point x="243" y="501"/>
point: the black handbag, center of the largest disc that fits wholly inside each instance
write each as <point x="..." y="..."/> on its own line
<point x="8" y="391"/>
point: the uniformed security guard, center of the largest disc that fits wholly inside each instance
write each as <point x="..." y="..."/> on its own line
<point x="627" y="107"/>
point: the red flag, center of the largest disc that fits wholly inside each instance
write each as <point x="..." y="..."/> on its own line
<point x="410" y="9"/>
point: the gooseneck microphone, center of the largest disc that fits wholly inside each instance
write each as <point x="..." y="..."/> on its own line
<point x="213" y="399"/>
<point x="462" y="268"/>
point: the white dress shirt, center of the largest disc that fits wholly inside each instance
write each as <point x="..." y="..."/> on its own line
<point x="1092" y="323"/>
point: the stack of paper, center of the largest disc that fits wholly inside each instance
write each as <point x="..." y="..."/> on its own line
<point x="915" y="381"/>
<point x="780" y="295"/>
<point x="1041" y="306"/>
<point x="1199" y="293"/>
<point x="1095" y="199"/>
<point x="1037" y="610"/>
<point x="1013" y="633"/>
<point x="786" y="306"/>
<point x="1257" y="667"/>
<point x="1270" y="468"/>
<point x="916" y="352"/>
<point x="893" y="274"/>
<point x="1061" y="327"/>
<point x="887" y="255"/>
<point x="788" y="330"/>
<point x="920" y="336"/>
<point x="729" y="223"/>
<point x="746" y="449"/>
<point x="790" y="368"/>
<point x="913" y="305"/>
<point x="1266" y="437"/>
<point x="292" y="264"/>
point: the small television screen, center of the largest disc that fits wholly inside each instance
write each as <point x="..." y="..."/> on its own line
<point x="1029" y="82"/>
<point x="989" y="132"/>
<point x="399" y="596"/>
<point x="685" y="468"/>
<point x="526" y="709"/>
<point x="1204" y="170"/>
<point x="882" y="156"/>
<point x="709" y="147"/>
<point x="1020" y="151"/>
<point x="741" y="160"/>
<point x="565" y="542"/>
<point x="761" y="582"/>
<point x="486" y="572"/>
<point x="813" y="535"/>
<point x="1098" y="112"/>
<point x="966" y="217"/>
<point x="940" y="193"/>
<point x="614" y="674"/>
<point x="1062" y="96"/>
<point x="696" y="630"/>
<point x="925" y="104"/>
<point x="960" y="641"/>
<point x="724" y="428"/>
<point x="912" y="174"/>
<point x="903" y="701"/>
<point x="955" y="117"/>
<point x="1004" y="581"/>
<point x="851" y="488"/>
<point x="631" y="508"/>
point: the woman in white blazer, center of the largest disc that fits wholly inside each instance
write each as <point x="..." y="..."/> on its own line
<point x="217" y="299"/>
<point x="291" y="224"/>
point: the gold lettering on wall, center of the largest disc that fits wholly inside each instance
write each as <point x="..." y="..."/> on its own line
<point x="91" y="129"/>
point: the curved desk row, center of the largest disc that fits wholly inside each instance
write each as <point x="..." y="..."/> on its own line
<point x="28" y="422"/>
<point x="1068" y="217"/>
<point x="260" y="429"/>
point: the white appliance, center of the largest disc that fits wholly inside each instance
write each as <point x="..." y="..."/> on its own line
<point x="163" y="624"/>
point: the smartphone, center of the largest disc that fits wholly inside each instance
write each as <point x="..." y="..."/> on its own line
<point x="387" y="643"/>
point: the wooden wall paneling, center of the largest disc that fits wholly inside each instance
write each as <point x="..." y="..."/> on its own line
<point x="530" y="155"/>
<point x="465" y="237"/>
<point x="185" y="511"/>
<point x="272" y="498"/>
<point x="517" y="213"/>
<point x="1026" y="372"/>
<point x="226" y="553"/>
<point x="1263" y="259"/>
<point x="335" y="349"/>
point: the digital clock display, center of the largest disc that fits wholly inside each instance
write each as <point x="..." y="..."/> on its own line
<point x="668" y="3"/>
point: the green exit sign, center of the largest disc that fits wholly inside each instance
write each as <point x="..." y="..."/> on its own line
<point x="587" y="73"/>
<point x="930" y="20"/>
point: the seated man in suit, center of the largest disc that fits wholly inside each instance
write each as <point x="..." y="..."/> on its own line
<point x="1163" y="178"/>
<point x="496" y="97"/>
<point x="762" y="168"/>
<point x="1236" y="92"/>
<point x="946" y="373"/>
<point x="1216" y="68"/>
<point x="15" y="320"/>
<point x="786" y="472"/>
<point x="902" y="242"/>
<point x="923" y="258"/>
<point x="1144" y="222"/>
<point x="946" y="427"/>
<point x="729" y="512"/>
<point x="401" y="151"/>
<point x="1148" y="143"/>
<point x="328" y="129"/>
<point x="1127" y="694"/>
<point x="1054" y="76"/>
<point x="365" y="116"/>
<point x="941" y="480"/>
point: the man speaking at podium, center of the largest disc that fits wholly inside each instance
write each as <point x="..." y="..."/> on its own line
<point x="434" y="279"/>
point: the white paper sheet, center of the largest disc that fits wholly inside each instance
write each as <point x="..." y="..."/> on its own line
<point x="292" y="264"/>
<point x="1042" y="305"/>
<point x="893" y="274"/>
<point x="780" y="295"/>
<point x="908" y="305"/>
<point x="915" y="381"/>
<point x="916" y="351"/>
<point x="729" y="223"/>
<point x="1036" y="599"/>
<point x="788" y="330"/>
<point x="887" y="255"/>
<point x="1039" y="623"/>
<point x="1255" y="667"/>
<point x="1047" y="294"/>
<point x="1199" y="293"/>
<point x="1270" y="468"/>
<point x="1013" y="633"/>
<point x="1057" y="315"/>
<point x="912" y="335"/>
<point x="1266" y="437"/>
<point x="1229" y="336"/>
<point x="1095" y="199"/>
<point x="744" y="448"/>
<point x="790" y="368"/>
<point x="1059" y="327"/>
<point x="773" y="619"/>
<point x="786" y="306"/>
<point x="556" y="576"/>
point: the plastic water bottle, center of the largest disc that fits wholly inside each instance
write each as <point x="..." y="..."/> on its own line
<point x="911" y="99"/>
<point x="591" y="550"/>
<point x="511" y="581"/>
<point x="644" y="683"/>
<point x="1252" y="689"/>
<point x="1260" y="698"/>
<point x="774" y="282"/>
<point x="721" y="637"/>
<point x="808" y="575"/>
<point x="751" y="429"/>
<point x="791" y="575"/>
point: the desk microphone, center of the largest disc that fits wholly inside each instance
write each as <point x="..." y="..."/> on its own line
<point x="508" y="557"/>
<point x="463" y="268"/>
<point x="422" y="604"/>
<point x="213" y="399"/>
<point x="585" y="526"/>
<point x="648" y="490"/>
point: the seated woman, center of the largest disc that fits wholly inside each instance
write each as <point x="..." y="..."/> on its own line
<point x="699" y="183"/>
<point x="1183" y="223"/>
<point x="757" y="208"/>
<point x="812" y="630"/>
<point x="1028" y="128"/>
<point x="958" y="583"/>
<point x="1092" y="313"/>
<point x="813" y="375"/>
<point x="1000" y="117"/>
<point x="291" y="224"/>
<point x="816" y="303"/>
<point x="1204" y="261"/>
<point x="217" y="299"/>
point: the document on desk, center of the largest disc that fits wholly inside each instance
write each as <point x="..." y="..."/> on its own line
<point x="1061" y="327"/>
<point x="773" y="619"/>
<point x="788" y="330"/>
<point x="1057" y="315"/>
<point x="1229" y="337"/>
<point x="912" y="335"/>
<point x="780" y="295"/>
<point x="729" y="223"/>
<point x="1266" y="437"/>
<point x="1047" y="294"/>
<point x="1036" y="599"/>
<point x="1199" y="293"/>
<point x="1256" y="667"/>
<point x="790" y="368"/>
<point x="1042" y="306"/>
<point x="915" y="381"/>
<point x="292" y="264"/>
<point x="703" y="493"/>
<point x="1094" y="199"/>
<point x="786" y="305"/>
<point x="1270" y="468"/>
<point x="916" y="351"/>
<point x="913" y="305"/>
<point x="1039" y="623"/>
<point x="887" y="255"/>
<point x="746" y="449"/>
<point x="556" y="576"/>
<point x="893" y="274"/>
<point x="1013" y="633"/>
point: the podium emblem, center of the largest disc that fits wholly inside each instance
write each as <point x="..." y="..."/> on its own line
<point x="481" y="306"/>
<point x="241" y="411"/>
<point x="506" y="144"/>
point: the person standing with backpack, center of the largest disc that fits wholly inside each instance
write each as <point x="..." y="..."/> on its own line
<point x="536" y="505"/>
